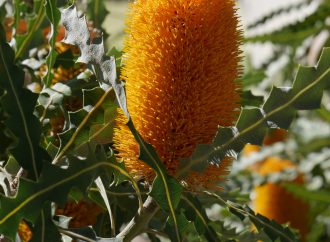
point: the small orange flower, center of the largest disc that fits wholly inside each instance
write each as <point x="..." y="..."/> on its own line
<point x="180" y="65"/>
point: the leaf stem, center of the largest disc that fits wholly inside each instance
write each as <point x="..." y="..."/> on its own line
<point x="139" y="223"/>
<point x="74" y="235"/>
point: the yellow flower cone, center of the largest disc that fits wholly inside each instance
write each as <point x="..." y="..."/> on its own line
<point x="181" y="59"/>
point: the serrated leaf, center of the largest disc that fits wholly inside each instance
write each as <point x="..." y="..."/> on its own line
<point x="274" y="231"/>
<point x="248" y="99"/>
<point x="54" y="16"/>
<point x="49" y="98"/>
<point x="19" y="104"/>
<point x="247" y="118"/>
<point x="279" y="97"/>
<point x="54" y="185"/>
<point x="87" y="126"/>
<point x="92" y="52"/>
<point x="296" y="33"/>
<point x="278" y="111"/>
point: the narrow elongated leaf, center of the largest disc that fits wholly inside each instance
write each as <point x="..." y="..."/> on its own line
<point x="165" y="189"/>
<point x="19" y="104"/>
<point x="97" y="12"/>
<point x="54" y="16"/>
<point x="196" y="213"/>
<point x="278" y="111"/>
<point x="33" y="22"/>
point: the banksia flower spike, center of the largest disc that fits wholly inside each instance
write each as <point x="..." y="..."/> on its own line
<point x="272" y="200"/>
<point x="275" y="202"/>
<point x="180" y="65"/>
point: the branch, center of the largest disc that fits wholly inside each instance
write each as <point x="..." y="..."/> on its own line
<point x="140" y="221"/>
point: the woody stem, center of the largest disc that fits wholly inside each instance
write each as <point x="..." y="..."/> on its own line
<point x="140" y="221"/>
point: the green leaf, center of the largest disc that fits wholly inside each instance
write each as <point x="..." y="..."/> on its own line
<point x="308" y="195"/>
<point x="182" y="224"/>
<point x="18" y="103"/>
<point x="278" y="111"/>
<point x="77" y="33"/>
<point x="324" y="113"/>
<point x="165" y="189"/>
<point x="272" y="229"/>
<point x="3" y="11"/>
<point x="65" y="59"/>
<point x="95" y="125"/>
<point x="195" y="212"/>
<point x="158" y="192"/>
<point x="54" y="185"/>
<point x="54" y="16"/>
<point x="296" y="33"/>
<point x="97" y="12"/>
<point x="44" y="230"/>
<point x="34" y="21"/>
<point x="276" y="13"/>
<point x="248" y="99"/>
<point x="104" y="196"/>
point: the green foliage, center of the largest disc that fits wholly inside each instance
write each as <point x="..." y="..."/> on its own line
<point x="34" y="20"/>
<point x="18" y="104"/>
<point x="295" y="34"/>
<point x="72" y="122"/>
<point x="54" y="16"/>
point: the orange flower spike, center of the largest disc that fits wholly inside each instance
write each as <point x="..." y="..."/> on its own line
<point x="274" y="202"/>
<point x="181" y="60"/>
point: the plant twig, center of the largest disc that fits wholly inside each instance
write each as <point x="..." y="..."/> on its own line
<point x="74" y="235"/>
<point x="140" y="221"/>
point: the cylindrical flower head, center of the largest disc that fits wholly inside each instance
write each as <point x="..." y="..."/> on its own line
<point x="274" y="202"/>
<point x="180" y="64"/>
